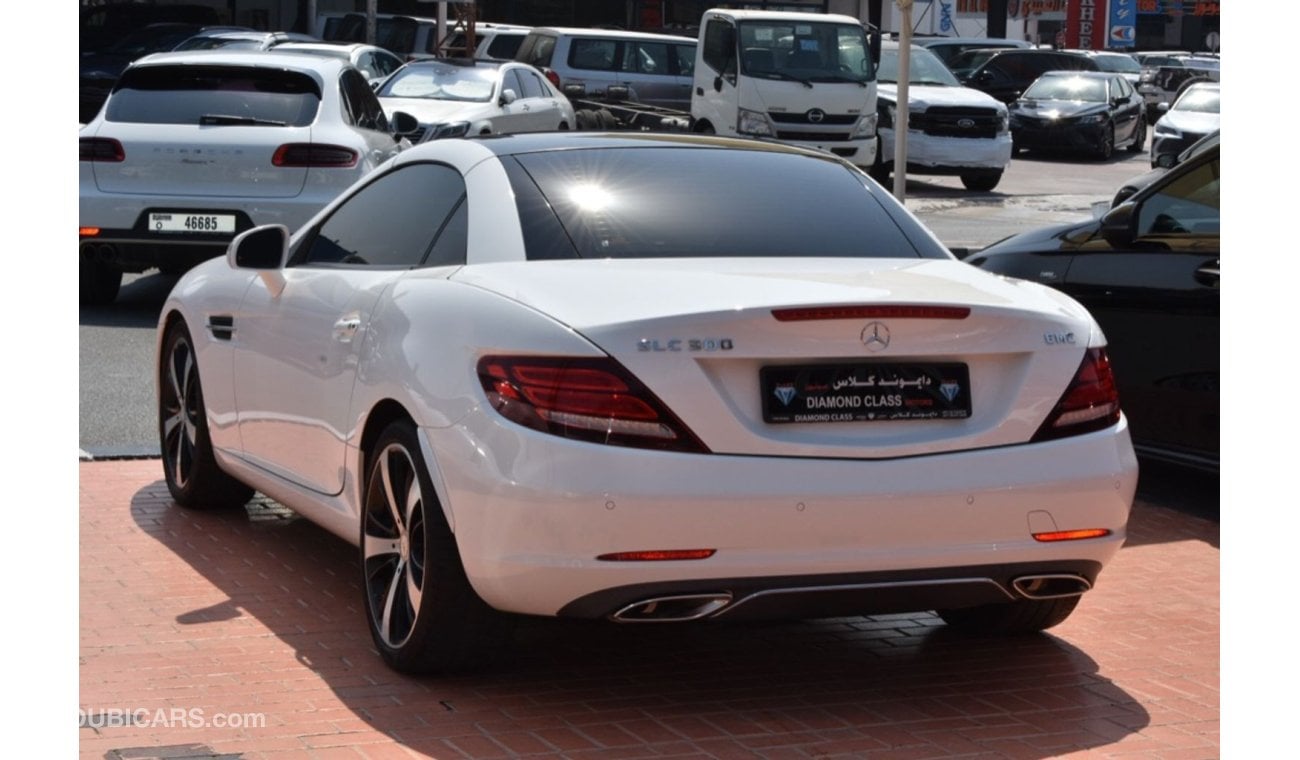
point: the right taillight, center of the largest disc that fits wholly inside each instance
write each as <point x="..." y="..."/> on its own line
<point x="553" y="77"/>
<point x="314" y="155"/>
<point x="593" y="400"/>
<point x="1091" y="402"/>
<point x="101" y="149"/>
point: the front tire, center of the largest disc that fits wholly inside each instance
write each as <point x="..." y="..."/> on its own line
<point x="1106" y="148"/>
<point x="424" y="616"/>
<point x="189" y="466"/>
<point x="981" y="183"/>
<point x="1012" y="618"/>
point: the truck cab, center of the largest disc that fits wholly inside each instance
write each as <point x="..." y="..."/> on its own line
<point x="806" y="79"/>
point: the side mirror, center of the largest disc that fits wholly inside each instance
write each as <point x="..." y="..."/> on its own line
<point x="873" y="44"/>
<point x="1166" y="161"/>
<point x="1118" y="226"/>
<point x="404" y="124"/>
<point x="1162" y="107"/>
<point x="717" y="84"/>
<point x="265" y="249"/>
<point x="507" y="97"/>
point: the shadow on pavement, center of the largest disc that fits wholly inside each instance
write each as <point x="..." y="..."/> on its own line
<point x="811" y="687"/>
<point x="138" y="304"/>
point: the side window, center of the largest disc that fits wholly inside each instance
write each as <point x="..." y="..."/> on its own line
<point x="510" y="81"/>
<point x="595" y="55"/>
<point x="645" y="57"/>
<point x="1188" y="205"/>
<point x="365" y="108"/>
<point x="359" y="231"/>
<point x="532" y="85"/>
<point x="718" y="55"/>
<point x="452" y="239"/>
<point x="685" y="56"/>
<point x="504" y="46"/>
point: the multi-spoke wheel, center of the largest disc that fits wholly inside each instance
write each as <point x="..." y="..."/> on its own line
<point x="423" y="614"/>
<point x="189" y="466"/>
<point x="1140" y="138"/>
<point x="1106" y="144"/>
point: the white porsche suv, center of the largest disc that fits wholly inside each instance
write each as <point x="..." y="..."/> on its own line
<point x="193" y="148"/>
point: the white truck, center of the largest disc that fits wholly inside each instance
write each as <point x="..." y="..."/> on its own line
<point x="952" y="130"/>
<point x="804" y="79"/>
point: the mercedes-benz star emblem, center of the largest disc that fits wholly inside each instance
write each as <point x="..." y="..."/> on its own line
<point x="816" y="115"/>
<point x="875" y="336"/>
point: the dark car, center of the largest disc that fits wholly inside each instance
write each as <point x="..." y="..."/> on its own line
<point x="1149" y="272"/>
<point x="1005" y="74"/>
<point x="100" y="70"/>
<point x="103" y="25"/>
<point x="1080" y="111"/>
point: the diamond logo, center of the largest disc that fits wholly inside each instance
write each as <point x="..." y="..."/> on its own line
<point x="786" y="393"/>
<point x="949" y="390"/>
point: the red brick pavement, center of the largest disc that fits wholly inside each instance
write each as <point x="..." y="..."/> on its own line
<point x="190" y="620"/>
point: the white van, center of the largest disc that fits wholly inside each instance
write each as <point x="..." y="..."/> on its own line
<point x="801" y="78"/>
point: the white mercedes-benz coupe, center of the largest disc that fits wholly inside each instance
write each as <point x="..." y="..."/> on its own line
<point x="647" y="378"/>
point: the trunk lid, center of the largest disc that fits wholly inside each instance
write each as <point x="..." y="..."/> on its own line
<point x="700" y="333"/>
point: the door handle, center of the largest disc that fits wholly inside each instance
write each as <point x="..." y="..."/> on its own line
<point x="1208" y="274"/>
<point x="699" y="91"/>
<point x="346" y="328"/>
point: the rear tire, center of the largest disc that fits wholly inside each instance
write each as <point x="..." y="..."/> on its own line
<point x="423" y="614"/>
<point x="1012" y="618"/>
<point x="981" y="183"/>
<point x="99" y="283"/>
<point x="189" y="466"/>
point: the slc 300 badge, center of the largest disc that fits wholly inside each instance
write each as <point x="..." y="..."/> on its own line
<point x="685" y="344"/>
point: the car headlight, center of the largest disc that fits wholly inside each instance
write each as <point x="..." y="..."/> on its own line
<point x="454" y="129"/>
<point x="1004" y="121"/>
<point x="754" y="123"/>
<point x="867" y="125"/>
<point x="1095" y="118"/>
<point x="1165" y="130"/>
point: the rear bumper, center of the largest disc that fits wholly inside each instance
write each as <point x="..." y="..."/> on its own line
<point x="532" y="513"/>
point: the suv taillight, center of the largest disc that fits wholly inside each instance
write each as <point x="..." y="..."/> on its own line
<point x="312" y="154"/>
<point x="553" y="77"/>
<point x="1091" y="402"/>
<point x="593" y="400"/>
<point x="102" y="149"/>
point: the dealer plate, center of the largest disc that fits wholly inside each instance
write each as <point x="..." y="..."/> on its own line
<point x="192" y="223"/>
<point x="865" y="392"/>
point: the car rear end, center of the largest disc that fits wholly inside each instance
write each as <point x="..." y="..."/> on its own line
<point x="849" y="422"/>
<point x="190" y="151"/>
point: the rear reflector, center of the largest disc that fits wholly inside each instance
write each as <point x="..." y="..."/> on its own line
<point x="870" y="312"/>
<point x="300" y="155"/>
<point x="1071" y="535"/>
<point x="1091" y="402"/>
<point x="593" y="400"/>
<point x="102" y="149"/>
<point x="658" y="555"/>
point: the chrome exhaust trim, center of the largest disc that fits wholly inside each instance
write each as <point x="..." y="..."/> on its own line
<point x="1050" y="586"/>
<point x="672" y="609"/>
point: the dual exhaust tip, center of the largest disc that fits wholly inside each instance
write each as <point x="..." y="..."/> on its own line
<point x="102" y="253"/>
<point x="686" y="607"/>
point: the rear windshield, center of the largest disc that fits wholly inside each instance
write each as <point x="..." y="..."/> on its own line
<point x="683" y="202"/>
<point x="214" y="95"/>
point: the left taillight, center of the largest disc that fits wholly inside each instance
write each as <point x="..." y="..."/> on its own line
<point x="594" y="400"/>
<point x="102" y="149"/>
<point x="302" y="155"/>
<point x="1091" y="402"/>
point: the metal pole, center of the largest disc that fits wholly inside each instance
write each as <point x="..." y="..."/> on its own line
<point x="371" y="8"/>
<point x="900" y="112"/>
